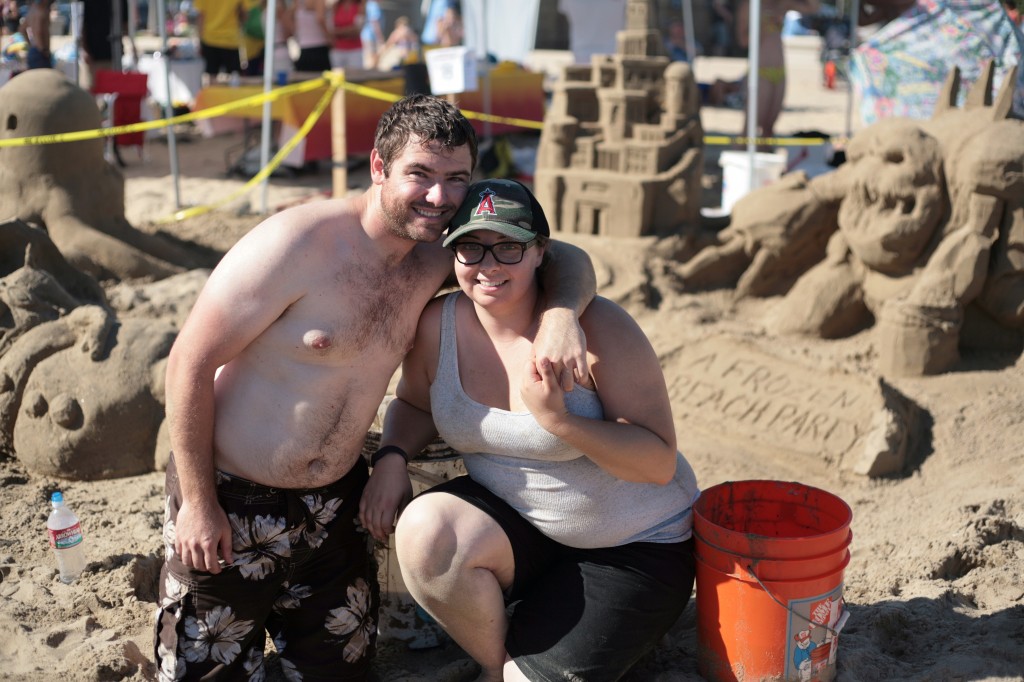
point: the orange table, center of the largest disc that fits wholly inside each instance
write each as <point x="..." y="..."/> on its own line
<point x="515" y="93"/>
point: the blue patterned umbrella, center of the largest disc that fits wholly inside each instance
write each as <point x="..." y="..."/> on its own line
<point x="899" y="71"/>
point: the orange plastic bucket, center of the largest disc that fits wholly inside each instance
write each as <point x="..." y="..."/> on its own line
<point x="770" y="562"/>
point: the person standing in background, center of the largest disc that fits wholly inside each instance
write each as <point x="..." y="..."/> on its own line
<point x="346" y="25"/>
<point x="11" y="16"/>
<point x="312" y="33"/>
<point x="372" y="35"/>
<point x="97" y="38"/>
<point x="252" y="37"/>
<point x="675" y="43"/>
<point x="38" y="24"/>
<point x="283" y="30"/>
<point x="403" y="44"/>
<point x="721" y="28"/>
<point x="449" y="26"/>
<point x="219" y="26"/>
<point x="771" y="69"/>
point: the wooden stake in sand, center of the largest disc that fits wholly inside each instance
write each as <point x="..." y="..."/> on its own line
<point x="339" y="143"/>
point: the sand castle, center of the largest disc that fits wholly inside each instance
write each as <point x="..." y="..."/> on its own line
<point x="622" y="149"/>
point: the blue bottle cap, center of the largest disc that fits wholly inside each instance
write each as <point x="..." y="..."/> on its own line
<point x="57" y="497"/>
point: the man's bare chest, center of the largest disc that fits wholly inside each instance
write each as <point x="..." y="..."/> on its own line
<point x="351" y="317"/>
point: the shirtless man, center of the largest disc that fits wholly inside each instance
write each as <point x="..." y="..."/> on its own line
<point x="38" y="23"/>
<point x="307" y="319"/>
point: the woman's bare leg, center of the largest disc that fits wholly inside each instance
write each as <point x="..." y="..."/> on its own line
<point x="456" y="561"/>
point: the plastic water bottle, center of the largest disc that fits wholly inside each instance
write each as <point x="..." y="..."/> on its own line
<point x="65" y="532"/>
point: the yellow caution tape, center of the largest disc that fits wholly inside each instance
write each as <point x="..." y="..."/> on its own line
<point x="721" y="140"/>
<point x="520" y="122"/>
<point x="334" y="80"/>
<point x="264" y="172"/>
<point x="212" y="112"/>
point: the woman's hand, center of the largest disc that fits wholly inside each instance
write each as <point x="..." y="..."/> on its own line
<point x="543" y="394"/>
<point x="386" y="494"/>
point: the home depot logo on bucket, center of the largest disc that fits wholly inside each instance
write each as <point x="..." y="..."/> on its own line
<point x="770" y="562"/>
<point x="811" y="652"/>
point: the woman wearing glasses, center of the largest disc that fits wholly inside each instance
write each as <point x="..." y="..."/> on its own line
<point x="576" y="509"/>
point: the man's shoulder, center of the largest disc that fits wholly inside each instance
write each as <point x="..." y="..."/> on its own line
<point x="337" y="214"/>
<point x="307" y="224"/>
<point x="436" y="259"/>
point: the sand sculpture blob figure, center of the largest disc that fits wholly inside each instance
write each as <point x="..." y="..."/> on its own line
<point x="81" y="392"/>
<point x="774" y="236"/>
<point x="931" y="235"/>
<point x="925" y="234"/>
<point x="69" y="188"/>
<point x="621" y="152"/>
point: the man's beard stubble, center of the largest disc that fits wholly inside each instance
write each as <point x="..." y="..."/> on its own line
<point x="397" y="218"/>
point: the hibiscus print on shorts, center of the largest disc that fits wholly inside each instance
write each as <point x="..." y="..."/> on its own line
<point x="353" y="621"/>
<point x="216" y="636"/>
<point x="321" y="512"/>
<point x="258" y="545"/>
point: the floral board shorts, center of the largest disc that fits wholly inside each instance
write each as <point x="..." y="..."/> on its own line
<point x="302" y="572"/>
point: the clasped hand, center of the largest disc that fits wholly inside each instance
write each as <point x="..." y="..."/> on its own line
<point x="543" y="393"/>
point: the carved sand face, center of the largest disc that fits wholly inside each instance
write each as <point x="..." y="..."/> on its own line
<point x="896" y="195"/>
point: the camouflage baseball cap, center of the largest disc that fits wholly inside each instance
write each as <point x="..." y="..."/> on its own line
<point x="504" y="206"/>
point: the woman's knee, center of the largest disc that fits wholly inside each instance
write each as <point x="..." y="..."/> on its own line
<point x="431" y="539"/>
<point x="421" y="529"/>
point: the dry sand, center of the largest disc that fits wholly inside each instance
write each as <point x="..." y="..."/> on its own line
<point x="934" y="586"/>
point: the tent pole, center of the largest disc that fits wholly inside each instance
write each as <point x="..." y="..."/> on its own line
<point x="753" y="71"/>
<point x="487" y="73"/>
<point x="116" y="35"/>
<point x="691" y="37"/>
<point x="854" y="21"/>
<point x="268" y="74"/>
<point x="133" y="20"/>
<point x="172" y="147"/>
<point x="77" y="9"/>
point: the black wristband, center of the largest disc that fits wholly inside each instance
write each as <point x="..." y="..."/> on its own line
<point x="387" y="450"/>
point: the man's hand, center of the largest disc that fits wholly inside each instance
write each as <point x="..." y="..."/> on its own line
<point x="387" y="492"/>
<point x="561" y="343"/>
<point x="201" y="533"/>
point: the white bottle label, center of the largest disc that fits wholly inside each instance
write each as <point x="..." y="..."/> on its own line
<point x="66" y="537"/>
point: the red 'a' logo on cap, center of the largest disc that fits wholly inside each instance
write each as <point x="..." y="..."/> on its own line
<point x="486" y="205"/>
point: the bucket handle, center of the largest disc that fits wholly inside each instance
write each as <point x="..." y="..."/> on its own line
<point x="843" y="617"/>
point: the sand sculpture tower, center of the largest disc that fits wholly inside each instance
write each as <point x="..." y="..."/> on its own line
<point x="621" y="153"/>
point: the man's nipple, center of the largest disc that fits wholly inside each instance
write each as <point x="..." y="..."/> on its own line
<point x="316" y="339"/>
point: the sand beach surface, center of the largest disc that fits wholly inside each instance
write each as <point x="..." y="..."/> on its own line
<point x="934" y="587"/>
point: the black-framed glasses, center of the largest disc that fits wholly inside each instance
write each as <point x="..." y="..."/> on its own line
<point x="507" y="253"/>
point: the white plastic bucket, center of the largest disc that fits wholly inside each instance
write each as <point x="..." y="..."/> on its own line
<point x="736" y="174"/>
<point x="451" y="69"/>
